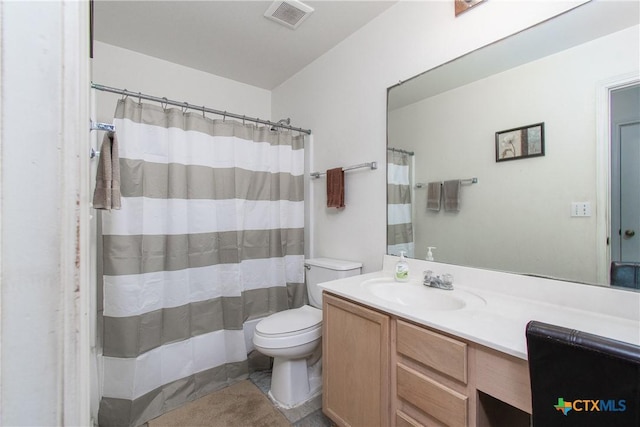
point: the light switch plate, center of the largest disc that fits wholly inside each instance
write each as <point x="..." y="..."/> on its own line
<point x="580" y="209"/>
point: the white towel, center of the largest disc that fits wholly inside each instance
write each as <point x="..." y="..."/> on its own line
<point x="433" y="196"/>
<point x="107" y="192"/>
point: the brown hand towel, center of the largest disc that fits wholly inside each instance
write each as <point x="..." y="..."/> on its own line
<point x="107" y="192"/>
<point x="451" y="195"/>
<point x="433" y="195"/>
<point x="335" y="188"/>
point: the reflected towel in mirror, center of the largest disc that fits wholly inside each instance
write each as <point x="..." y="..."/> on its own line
<point x="433" y="196"/>
<point x="451" y="195"/>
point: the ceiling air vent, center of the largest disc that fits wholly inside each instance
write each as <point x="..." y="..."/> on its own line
<point x="289" y="13"/>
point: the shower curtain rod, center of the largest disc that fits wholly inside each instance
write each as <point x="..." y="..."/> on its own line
<point x="400" y="150"/>
<point x="186" y="105"/>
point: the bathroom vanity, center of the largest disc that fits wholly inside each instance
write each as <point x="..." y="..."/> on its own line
<point x="398" y="354"/>
<point x="383" y="370"/>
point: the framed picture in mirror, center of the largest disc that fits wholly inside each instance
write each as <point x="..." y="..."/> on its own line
<point x="520" y="142"/>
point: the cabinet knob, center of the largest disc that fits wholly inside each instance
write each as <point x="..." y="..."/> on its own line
<point x="629" y="233"/>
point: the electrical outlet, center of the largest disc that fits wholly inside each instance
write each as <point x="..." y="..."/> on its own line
<point x="580" y="209"/>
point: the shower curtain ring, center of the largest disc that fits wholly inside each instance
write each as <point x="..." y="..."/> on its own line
<point x="185" y="108"/>
<point x="164" y="104"/>
<point x="203" y="111"/>
<point x="140" y="98"/>
<point x="224" y="116"/>
<point x="125" y="94"/>
<point x="243" y="120"/>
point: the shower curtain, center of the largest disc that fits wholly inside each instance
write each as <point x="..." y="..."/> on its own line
<point x="210" y="235"/>
<point x="399" y="209"/>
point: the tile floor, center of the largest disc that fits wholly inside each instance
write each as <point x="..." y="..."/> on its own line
<point x="306" y="415"/>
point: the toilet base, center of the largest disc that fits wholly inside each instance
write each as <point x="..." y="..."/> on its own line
<point x="293" y="382"/>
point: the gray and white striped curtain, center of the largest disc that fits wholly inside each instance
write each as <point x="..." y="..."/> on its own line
<point x="399" y="208"/>
<point x="210" y="234"/>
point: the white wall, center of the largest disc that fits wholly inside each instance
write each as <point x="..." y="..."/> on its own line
<point x="126" y="69"/>
<point x="342" y="98"/>
<point x="44" y="344"/>
<point x="517" y="217"/>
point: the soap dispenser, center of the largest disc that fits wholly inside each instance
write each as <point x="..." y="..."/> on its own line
<point x="430" y="254"/>
<point x="402" y="269"/>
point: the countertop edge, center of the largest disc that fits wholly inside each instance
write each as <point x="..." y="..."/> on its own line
<point x="499" y="325"/>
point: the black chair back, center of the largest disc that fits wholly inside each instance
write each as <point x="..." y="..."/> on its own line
<point x="582" y="380"/>
<point x="625" y="274"/>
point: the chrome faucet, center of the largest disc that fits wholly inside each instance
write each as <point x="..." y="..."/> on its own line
<point x="445" y="282"/>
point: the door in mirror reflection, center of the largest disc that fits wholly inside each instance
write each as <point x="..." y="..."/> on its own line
<point x="625" y="172"/>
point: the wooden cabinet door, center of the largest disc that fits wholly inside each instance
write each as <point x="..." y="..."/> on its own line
<point x="356" y="364"/>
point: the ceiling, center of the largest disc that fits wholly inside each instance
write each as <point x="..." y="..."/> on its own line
<point x="230" y="39"/>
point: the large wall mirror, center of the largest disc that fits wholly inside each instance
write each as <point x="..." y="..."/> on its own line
<point x="550" y="214"/>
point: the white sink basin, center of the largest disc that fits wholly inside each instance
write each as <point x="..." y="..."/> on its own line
<point x="415" y="295"/>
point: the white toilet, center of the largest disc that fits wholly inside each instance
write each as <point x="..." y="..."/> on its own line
<point x="293" y="337"/>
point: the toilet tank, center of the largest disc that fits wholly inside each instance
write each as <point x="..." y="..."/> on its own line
<point x="320" y="270"/>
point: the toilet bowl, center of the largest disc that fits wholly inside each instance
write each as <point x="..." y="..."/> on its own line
<point x="293" y="337"/>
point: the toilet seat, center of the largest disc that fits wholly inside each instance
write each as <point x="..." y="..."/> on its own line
<point x="289" y="328"/>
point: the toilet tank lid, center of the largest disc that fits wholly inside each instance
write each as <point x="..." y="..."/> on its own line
<point x="333" y="264"/>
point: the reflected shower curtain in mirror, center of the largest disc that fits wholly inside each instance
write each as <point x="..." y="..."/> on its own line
<point x="399" y="208"/>
<point x="210" y="235"/>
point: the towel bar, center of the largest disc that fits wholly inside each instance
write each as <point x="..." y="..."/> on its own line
<point x="372" y="165"/>
<point x="473" y="180"/>
<point x="102" y="126"/>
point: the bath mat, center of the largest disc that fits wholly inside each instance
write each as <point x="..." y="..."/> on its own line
<point x="239" y="405"/>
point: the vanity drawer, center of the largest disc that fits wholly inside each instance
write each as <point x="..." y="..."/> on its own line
<point x="433" y="398"/>
<point x="404" y="420"/>
<point x="436" y="351"/>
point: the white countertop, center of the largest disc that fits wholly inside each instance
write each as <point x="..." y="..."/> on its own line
<point x="501" y="304"/>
